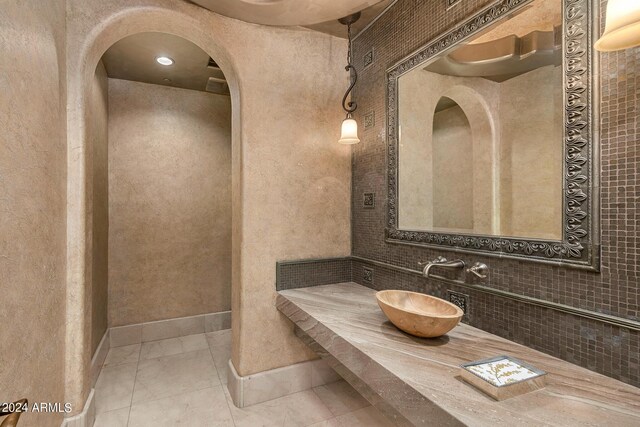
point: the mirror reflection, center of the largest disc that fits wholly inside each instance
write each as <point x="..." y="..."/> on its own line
<point x="481" y="133"/>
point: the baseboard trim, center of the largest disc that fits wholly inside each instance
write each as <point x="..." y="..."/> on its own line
<point x="275" y="383"/>
<point x="87" y="417"/>
<point x="98" y="357"/>
<point x="171" y="328"/>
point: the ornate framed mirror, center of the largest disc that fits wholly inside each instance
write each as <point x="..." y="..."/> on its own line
<point x="492" y="136"/>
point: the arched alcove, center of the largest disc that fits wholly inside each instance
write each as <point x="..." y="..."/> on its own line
<point x="90" y="45"/>
<point x="483" y="162"/>
<point x="267" y="174"/>
<point x="452" y="157"/>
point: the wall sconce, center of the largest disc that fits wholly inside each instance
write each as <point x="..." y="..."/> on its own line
<point x="349" y="133"/>
<point x="622" y="29"/>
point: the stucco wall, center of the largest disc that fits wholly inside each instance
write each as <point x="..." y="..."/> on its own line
<point x="32" y="204"/>
<point x="290" y="179"/>
<point x="453" y="187"/>
<point x="531" y="154"/>
<point x="97" y="132"/>
<point x="169" y="202"/>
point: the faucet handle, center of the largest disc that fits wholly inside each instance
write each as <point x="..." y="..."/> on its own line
<point x="438" y="260"/>
<point x="479" y="269"/>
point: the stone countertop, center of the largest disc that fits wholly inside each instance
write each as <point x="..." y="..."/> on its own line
<point x="416" y="380"/>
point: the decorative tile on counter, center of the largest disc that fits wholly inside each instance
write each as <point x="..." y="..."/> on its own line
<point x="501" y="371"/>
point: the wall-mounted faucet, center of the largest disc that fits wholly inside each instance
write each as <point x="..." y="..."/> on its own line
<point x="440" y="262"/>
<point x="479" y="269"/>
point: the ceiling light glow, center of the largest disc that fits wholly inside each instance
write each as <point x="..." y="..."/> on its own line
<point x="164" y="60"/>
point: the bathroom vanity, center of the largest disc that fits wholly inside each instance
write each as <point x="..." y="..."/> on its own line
<point x="415" y="381"/>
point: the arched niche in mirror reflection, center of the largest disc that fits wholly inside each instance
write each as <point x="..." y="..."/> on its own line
<point x="452" y="166"/>
<point x="447" y="150"/>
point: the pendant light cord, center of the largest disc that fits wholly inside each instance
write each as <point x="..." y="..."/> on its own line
<point x="350" y="106"/>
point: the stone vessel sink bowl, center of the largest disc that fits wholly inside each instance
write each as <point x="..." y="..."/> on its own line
<point x="419" y="314"/>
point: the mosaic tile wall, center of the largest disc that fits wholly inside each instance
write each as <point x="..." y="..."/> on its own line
<point x="305" y="273"/>
<point x="601" y="347"/>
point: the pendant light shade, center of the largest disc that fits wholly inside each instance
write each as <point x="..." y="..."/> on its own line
<point x="622" y="29"/>
<point x="349" y="133"/>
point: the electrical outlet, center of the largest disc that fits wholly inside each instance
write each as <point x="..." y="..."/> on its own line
<point x="368" y="58"/>
<point x="369" y="200"/>
<point x="367" y="275"/>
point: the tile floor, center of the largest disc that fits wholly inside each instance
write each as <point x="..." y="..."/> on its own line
<point x="182" y="382"/>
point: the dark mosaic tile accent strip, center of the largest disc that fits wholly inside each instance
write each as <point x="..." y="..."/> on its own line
<point x="614" y="351"/>
<point x="315" y="272"/>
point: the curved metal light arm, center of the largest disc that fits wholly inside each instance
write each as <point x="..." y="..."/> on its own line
<point x="350" y="106"/>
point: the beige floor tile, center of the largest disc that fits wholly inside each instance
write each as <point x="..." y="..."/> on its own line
<point x="220" y="345"/>
<point x="207" y="407"/>
<point x="295" y="410"/>
<point x="219" y="339"/>
<point x="171" y="346"/>
<point x="174" y="375"/>
<point x="121" y="355"/>
<point x="340" y="397"/>
<point x="117" y="418"/>
<point x="114" y="387"/>
<point x="366" y="417"/>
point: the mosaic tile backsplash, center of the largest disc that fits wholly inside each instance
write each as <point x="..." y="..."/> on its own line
<point x="306" y="273"/>
<point x="605" y="348"/>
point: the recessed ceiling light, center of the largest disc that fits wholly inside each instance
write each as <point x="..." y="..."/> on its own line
<point x="164" y="60"/>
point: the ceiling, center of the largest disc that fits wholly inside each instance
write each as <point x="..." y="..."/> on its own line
<point x="134" y="58"/>
<point x="287" y="12"/>
<point x="526" y="41"/>
<point x="335" y="28"/>
<point x="539" y="15"/>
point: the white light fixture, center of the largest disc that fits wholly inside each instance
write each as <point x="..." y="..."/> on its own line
<point x="164" y="60"/>
<point x="349" y="134"/>
<point x="622" y="29"/>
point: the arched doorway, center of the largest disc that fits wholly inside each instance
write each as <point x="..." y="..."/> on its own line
<point x="90" y="45"/>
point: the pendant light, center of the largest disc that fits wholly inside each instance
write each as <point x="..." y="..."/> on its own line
<point x="622" y="29"/>
<point x="349" y="131"/>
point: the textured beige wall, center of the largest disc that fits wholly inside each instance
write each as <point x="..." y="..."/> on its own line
<point x="291" y="180"/>
<point x="296" y="179"/>
<point x="453" y="185"/>
<point x="532" y="151"/>
<point x="169" y="202"/>
<point x="97" y="132"/>
<point x="32" y="204"/>
<point x="415" y="155"/>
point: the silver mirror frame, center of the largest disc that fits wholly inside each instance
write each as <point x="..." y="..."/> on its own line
<point x="580" y="245"/>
